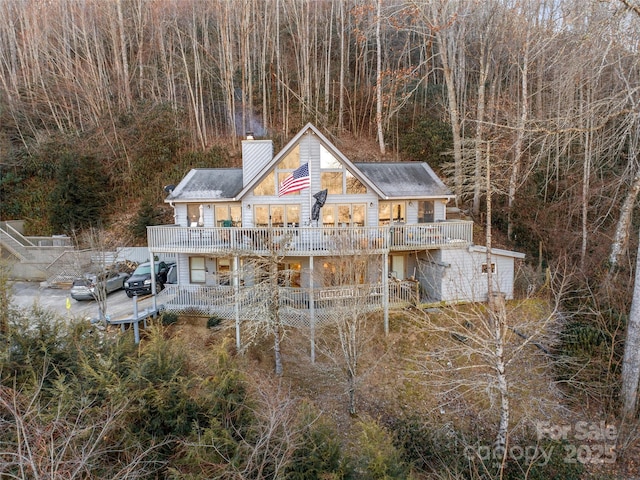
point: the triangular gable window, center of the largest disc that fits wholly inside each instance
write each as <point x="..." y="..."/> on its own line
<point x="269" y="186"/>
<point x="335" y="178"/>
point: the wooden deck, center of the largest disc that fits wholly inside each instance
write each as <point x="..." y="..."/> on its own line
<point x="295" y="304"/>
<point x="308" y="241"/>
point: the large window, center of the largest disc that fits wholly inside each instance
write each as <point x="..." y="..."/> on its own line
<point x="391" y="212"/>
<point x="269" y="186"/>
<point x="197" y="270"/>
<point x="228" y="215"/>
<point x="341" y="274"/>
<point x="349" y="215"/>
<point x="335" y="178"/>
<point x="194" y="215"/>
<point x="223" y="271"/>
<point x="276" y="215"/>
<point x="425" y="211"/>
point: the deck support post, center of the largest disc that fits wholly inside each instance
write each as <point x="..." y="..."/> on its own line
<point x="385" y="291"/>
<point x="154" y="285"/>
<point x="236" y="306"/>
<point x="312" y="312"/>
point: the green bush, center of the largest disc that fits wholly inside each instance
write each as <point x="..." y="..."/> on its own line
<point x="427" y="141"/>
<point x="213" y="321"/>
<point x="80" y="193"/>
<point x="376" y="456"/>
<point x="319" y="455"/>
<point x="169" y="318"/>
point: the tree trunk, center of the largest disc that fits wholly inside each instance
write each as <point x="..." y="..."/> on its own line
<point x="275" y="316"/>
<point x="379" y="79"/>
<point x="517" y="148"/>
<point x="631" y="360"/>
<point x="621" y="236"/>
<point x="454" y="115"/>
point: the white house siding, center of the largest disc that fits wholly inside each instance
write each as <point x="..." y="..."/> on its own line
<point x="463" y="279"/>
<point x="256" y="155"/>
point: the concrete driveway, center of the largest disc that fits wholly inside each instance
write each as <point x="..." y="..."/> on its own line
<point x="27" y="294"/>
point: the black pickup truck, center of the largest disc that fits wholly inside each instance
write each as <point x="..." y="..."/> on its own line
<point x="139" y="283"/>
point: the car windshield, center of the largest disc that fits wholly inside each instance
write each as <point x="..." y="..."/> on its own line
<point x="142" y="269"/>
<point x="145" y="269"/>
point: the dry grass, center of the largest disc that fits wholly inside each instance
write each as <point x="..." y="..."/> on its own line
<point x="391" y="387"/>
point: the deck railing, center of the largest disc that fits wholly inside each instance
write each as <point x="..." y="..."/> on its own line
<point x="308" y="240"/>
<point x="247" y="301"/>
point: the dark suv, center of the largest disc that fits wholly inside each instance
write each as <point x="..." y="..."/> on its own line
<point x="139" y="283"/>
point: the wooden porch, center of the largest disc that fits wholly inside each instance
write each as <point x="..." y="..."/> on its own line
<point x="295" y="304"/>
<point x="308" y="241"/>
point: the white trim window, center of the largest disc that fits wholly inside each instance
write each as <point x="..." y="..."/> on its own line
<point x="485" y="271"/>
<point x="197" y="270"/>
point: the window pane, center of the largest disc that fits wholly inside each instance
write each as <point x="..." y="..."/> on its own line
<point x="292" y="160"/>
<point x="293" y="215"/>
<point x="261" y="216"/>
<point x="354" y="185"/>
<point x="328" y="217"/>
<point x="425" y="211"/>
<point x="222" y="213"/>
<point x="358" y="216"/>
<point x="327" y="160"/>
<point x="344" y="215"/>
<point x="193" y="213"/>
<point x="398" y="212"/>
<point x="277" y="216"/>
<point x="197" y="269"/>
<point x="332" y="181"/>
<point x="384" y="214"/>
<point x="267" y="186"/>
<point x="236" y="215"/>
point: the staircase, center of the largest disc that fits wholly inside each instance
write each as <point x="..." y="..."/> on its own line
<point x="31" y="258"/>
<point x="14" y="242"/>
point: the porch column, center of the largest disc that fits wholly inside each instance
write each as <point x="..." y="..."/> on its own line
<point x="312" y="312"/>
<point x="385" y="291"/>
<point x="236" y="290"/>
<point x="154" y="286"/>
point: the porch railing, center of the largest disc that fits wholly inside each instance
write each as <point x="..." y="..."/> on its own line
<point x="294" y="303"/>
<point x="308" y="240"/>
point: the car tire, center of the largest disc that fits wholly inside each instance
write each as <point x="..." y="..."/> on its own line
<point x="129" y="294"/>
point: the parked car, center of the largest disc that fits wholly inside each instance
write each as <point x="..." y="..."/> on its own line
<point x="90" y="285"/>
<point x="139" y="283"/>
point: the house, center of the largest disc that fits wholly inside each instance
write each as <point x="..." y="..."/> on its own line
<point x="330" y="231"/>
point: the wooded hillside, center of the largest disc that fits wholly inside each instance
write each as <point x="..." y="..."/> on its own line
<point x="134" y="93"/>
<point x="103" y="102"/>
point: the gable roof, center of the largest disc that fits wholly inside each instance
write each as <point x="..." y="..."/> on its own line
<point x="208" y="184"/>
<point x="310" y="129"/>
<point x="405" y="180"/>
<point x="389" y="180"/>
<point x="496" y="251"/>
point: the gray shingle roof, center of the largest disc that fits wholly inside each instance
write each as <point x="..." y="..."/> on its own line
<point x="208" y="184"/>
<point x="404" y="179"/>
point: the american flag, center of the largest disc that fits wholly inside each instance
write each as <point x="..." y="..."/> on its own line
<point x="298" y="180"/>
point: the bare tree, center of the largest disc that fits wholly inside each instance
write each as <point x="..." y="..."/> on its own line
<point x="473" y="350"/>
<point x="346" y="327"/>
<point x="265" y="317"/>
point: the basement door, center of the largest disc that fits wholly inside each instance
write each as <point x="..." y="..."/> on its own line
<point x="397" y="266"/>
